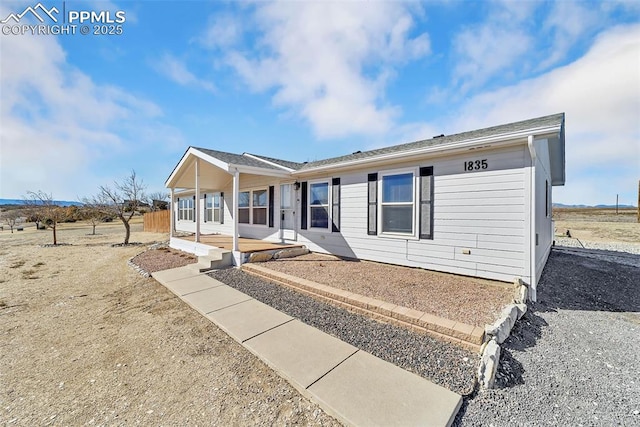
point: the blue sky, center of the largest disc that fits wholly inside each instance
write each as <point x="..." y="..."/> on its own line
<point x="309" y="80"/>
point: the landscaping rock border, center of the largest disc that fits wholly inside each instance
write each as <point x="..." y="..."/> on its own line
<point x="498" y="332"/>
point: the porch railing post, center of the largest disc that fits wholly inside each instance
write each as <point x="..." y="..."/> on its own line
<point x="236" y="191"/>
<point x="197" y="204"/>
<point x="172" y="212"/>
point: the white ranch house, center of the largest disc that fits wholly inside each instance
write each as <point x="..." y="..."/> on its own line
<point x="476" y="203"/>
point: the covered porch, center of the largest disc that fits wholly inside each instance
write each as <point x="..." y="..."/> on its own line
<point x="245" y="245"/>
<point x="205" y="202"/>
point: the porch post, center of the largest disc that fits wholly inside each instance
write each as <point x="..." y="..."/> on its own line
<point x="236" y="191"/>
<point x="197" y="204"/>
<point x="172" y="214"/>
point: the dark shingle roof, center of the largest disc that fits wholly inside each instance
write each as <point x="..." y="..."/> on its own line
<point x="237" y="159"/>
<point x="285" y="163"/>
<point x="540" y="122"/>
<point x="537" y="123"/>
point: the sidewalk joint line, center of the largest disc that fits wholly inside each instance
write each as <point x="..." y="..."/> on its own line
<point x="329" y="371"/>
<point x="227" y="306"/>
<point x="270" y="329"/>
<point x="200" y="290"/>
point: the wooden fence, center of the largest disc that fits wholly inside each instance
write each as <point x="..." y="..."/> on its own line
<point x="157" y="222"/>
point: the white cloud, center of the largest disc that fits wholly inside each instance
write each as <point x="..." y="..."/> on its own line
<point x="329" y="62"/>
<point x="176" y="70"/>
<point x="485" y="50"/>
<point x="58" y="125"/>
<point x="224" y="30"/>
<point x="600" y="94"/>
<point x="567" y="22"/>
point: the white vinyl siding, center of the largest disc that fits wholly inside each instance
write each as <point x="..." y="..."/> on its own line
<point x="483" y="211"/>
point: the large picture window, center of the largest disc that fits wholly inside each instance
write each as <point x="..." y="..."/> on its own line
<point x="319" y="205"/>
<point x="397" y="203"/>
<point x="253" y="207"/>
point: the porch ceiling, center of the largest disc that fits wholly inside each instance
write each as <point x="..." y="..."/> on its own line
<point x="211" y="176"/>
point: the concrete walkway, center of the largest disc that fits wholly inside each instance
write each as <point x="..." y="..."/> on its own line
<point x="350" y="384"/>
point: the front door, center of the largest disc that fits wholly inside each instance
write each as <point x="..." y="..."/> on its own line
<point x="287" y="212"/>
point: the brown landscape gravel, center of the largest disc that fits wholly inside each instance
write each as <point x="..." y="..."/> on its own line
<point x="162" y="258"/>
<point x="86" y="340"/>
<point x="464" y="299"/>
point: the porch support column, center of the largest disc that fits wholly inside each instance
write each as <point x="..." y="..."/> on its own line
<point x="197" y="204"/>
<point x="236" y="192"/>
<point x="172" y="215"/>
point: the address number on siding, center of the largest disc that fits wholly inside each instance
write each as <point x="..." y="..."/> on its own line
<point x="475" y="165"/>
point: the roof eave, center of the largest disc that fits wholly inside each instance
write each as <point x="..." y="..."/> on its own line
<point x="496" y="140"/>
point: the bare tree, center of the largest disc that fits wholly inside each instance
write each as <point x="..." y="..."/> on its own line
<point x="94" y="210"/>
<point x="43" y="210"/>
<point x="157" y="201"/>
<point x="12" y="218"/>
<point x="123" y="199"/>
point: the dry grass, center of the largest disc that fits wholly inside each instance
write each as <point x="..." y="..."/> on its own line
<point x="598" y="225"/>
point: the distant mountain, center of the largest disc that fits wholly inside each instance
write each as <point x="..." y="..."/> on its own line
<point x="20" y="202"/>
<point x="561" y="205"/>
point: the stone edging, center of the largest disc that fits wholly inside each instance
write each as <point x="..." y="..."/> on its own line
<point x="497" y="333"/>
<point x="467" y="336"/>
<point x="139" y="269"/>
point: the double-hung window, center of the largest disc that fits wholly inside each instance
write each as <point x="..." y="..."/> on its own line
<point x="208" y="208"/>
<point x="185" y="209"/>
<point x="259" y="207"/>
<point x="244" y="202"/>
<point x="213" y="208"/>
<point x="253" y="206"/>
<point x="319" y="205"/>
<point x="397" y="202"/>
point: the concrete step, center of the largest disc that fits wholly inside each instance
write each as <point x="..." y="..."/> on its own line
<point x="217" y="258"/>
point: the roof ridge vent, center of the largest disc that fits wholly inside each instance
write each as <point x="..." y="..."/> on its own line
<point x="439" y="136"/>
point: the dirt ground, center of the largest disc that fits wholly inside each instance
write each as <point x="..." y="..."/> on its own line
<point x="599" y="225"/>
<point x="86" y="340"/>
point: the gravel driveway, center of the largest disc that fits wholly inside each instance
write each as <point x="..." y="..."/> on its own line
<point x="574" y="359"/>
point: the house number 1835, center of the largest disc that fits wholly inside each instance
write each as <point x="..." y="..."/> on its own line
<point x="474" y="165"/>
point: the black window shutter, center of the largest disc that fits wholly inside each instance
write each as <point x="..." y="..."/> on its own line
<point x="303" y="206"/>
<point x="271" y="188"/>
<point x="372" y="202"/>
<point x="205" y="207"/>
<point x="194" y="208"/>
<point x="177" y="212"/>
<point x="222" y="208"/>
<point x="426" y="202"/>
<point x="335" y="204"/>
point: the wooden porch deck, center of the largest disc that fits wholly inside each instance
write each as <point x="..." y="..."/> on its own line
<point x="245" y="245"/>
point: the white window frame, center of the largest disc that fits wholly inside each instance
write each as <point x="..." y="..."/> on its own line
<point x="414" y="203"/>
<point x="209" y="207"/>
<point x="248" y="208"/>
<point x="185" y="209"/>
<point x="327" y="206"/>
<point x="265" y="207"/>
<point x="251" y="206"/>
